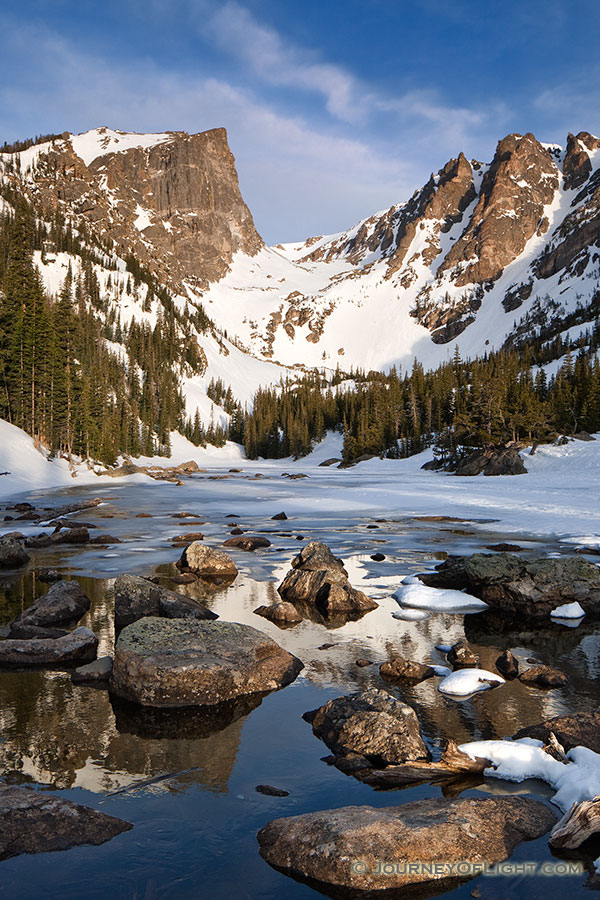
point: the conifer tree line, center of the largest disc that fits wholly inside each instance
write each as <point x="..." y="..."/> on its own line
<point x="58" y="379"/>
<point x="461" y="406"/>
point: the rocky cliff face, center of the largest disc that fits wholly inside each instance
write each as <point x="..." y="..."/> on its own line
<point x="455" y="263"/>
<point x="480" y="253"/>
<point x="172" y="200"/>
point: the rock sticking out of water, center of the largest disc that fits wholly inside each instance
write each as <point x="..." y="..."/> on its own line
<point x="37" y="822"/>
<point x="184" y="662"/>
<point x="348" y="847"/>
<point x="203" y="560"/>
<point x="73" y="649"/>
<point x="511" y="584"/>
<point x="136" y="597"/>
<point x="318" y="579"/>
<point x="63" y="603"/>
<point x="371" y="724"/>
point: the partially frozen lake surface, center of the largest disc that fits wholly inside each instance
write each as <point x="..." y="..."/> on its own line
<point x="187" y="781"/>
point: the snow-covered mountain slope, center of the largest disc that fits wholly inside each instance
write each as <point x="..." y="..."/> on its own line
<point x="481" y="254"/>
<point x="167" y="204"/>
<point x="479" y="251"/>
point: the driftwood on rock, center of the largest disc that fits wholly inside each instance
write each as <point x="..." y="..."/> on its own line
<point x="453" y="762"/>
<point x="581" y="822"/>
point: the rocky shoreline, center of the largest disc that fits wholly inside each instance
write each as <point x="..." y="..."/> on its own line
<point x="173" y="652"/>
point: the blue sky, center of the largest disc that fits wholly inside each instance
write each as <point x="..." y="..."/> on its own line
<point x="334" y="109"/>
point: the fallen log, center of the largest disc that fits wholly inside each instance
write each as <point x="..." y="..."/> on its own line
<point x="453" y="762"/>
<point x="581" y="822"/>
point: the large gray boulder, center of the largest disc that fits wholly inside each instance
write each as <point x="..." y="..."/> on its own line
<point x="530" y="587"/>
<point x="368" y="849"/>
<point x="371" y="724"/>
<point x="136" y="597"/>
<point x="205" y="561"/>
<point x="12" y="553"/>
<point x="74" y="649"/>
<point x="184" y="662"/>
<point x="64" y="603"/>
<point x="38" y="822"/>
<point x="319" y="580"/>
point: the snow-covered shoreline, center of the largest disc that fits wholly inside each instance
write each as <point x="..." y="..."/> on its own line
<point x="559" y="497"/>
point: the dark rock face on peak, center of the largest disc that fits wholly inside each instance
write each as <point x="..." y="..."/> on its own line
<point x="175" y="205"/>
<point x="577" y="166"/>
<point x="521" y="180"/>
<point x="190" y="184"/>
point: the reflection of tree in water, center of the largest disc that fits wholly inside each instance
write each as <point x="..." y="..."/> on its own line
<point x="56" y="732"/>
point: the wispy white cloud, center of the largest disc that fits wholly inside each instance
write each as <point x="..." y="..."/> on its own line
<point x="278" y="62"/>
<point x="300" y="174"/>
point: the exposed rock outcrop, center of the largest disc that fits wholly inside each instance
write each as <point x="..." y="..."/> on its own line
<point x="521" y="180"/>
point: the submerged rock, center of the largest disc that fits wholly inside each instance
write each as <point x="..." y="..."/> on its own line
<point x="137" y="597"/>
<point x="372" y="724"/>
<point x="38" y="822"/>
<point x="531" y="587"/>
<point x="74" y="649"/>
<point x="64" y="602"/>
<point x="177" y="662"/>
<point x="203" y="560"/>
<point x="318" y="579"/>
<point x="368" y="849"/>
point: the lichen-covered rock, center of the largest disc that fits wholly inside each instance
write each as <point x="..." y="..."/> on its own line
<point x="530" y="587"/>
<point x="183" y="662"/>
<point x="205" y="561"/>
<point x="73" y="649"/>
<point x="136" y="597"/>
<point x="39" y="822"/>
<point x="64" y="602"/>
<point x="372" y="724"/>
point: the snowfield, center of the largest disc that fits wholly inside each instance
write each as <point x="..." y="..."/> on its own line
<point x="558" y="498"/>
